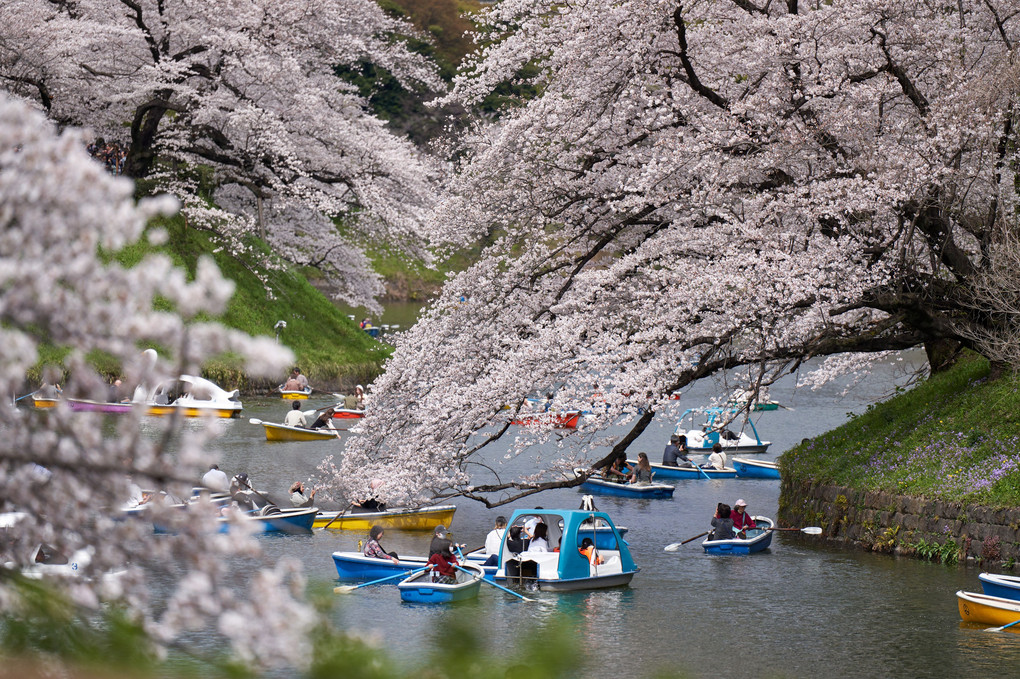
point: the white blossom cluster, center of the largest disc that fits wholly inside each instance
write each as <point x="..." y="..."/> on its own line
<point x="58" y="208"/>
<point x="249" y="89"/>
<point x="698" y="187"/>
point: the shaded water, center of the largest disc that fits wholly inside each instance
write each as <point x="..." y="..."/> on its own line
<point x="798" y="610"/>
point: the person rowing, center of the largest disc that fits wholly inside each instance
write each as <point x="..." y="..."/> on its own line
<point x="741" y="519"/>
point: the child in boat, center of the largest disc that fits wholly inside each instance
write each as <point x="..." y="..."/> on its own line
<point x="741" y="519"/>
<point x="443" y="563"/>
<point x="374" y="549"/>
<point x="615" y="472"/>
<point x="587" y="550"/>
<point x="722" y="523"/>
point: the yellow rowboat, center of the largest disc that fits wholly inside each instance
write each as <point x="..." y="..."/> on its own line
<point x="985" y="609"/>
<point x="194" y="410"/>
<point x="285" y="432"/>
<point x="424" y="518"/>
<point x="42" y="402"/>
<point x="296" y="395"/>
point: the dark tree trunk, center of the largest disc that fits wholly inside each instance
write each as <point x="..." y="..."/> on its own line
<point x="941" y="353"/>
<point x="144" y="127"/>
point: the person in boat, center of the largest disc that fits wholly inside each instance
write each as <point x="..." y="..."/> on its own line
<point x="540" y="540"/>
<point x="359" y="396"/>
<point x="300" y="376"/>
<point x="47" y="390"/>
<point x="296" y="418"/>
<point x="717" y="460"/>
<point x="741" y="519"/>
<point x="641" y="473"/>
<point x="514" y="541"/>
<point x="588" y="551"/>
<point x="616" y="472"/>
<point x="440" y="542"/>
<point x="722" y="523"/>
<point x="493" y="541"/>
<point x="443" y="564"/>
<point x="325" y="419"/>
<point x="671" y="455"/>
<point x="214" y="479"/>
<point x="298" y="497"/>
<point x="372" y="504"/>
<point x="292" y="383"/>
<point x="530" y="524"/>
<point x="242" y="492"/>
<point x="374" y="549"/>
<point x="351" y="402"/>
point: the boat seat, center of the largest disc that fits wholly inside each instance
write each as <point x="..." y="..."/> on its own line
<point x="611" y="563"/>
<point x="548" y="563"/>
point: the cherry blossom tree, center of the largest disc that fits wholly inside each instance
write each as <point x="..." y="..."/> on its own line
<point x="62" y="482"/>
<point x="699" y="186"/>
<point x="249" y="89"/>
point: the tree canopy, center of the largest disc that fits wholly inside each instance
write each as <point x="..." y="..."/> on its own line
<point x="699" y="187"/>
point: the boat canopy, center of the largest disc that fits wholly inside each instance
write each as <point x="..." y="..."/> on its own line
<point x="716" y="420"/>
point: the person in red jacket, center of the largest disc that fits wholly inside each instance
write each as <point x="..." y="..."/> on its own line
<point x="443" y="563"/>
<point x="741" y="519"/>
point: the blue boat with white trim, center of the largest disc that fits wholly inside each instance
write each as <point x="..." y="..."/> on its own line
<point x="420" y="589"/>
<point x="700" y="439"/>
<point x="567" y="569"/>
<point x="1004" y="586"/>
<point x="357" y="566"/>
<point x="755" y="469"/>
<point x="666" y="472"/>
<point x="757" y="539"/>
<point x="638" y="490"/>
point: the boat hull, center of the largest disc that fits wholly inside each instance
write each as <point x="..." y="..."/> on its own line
<point x="403" y="519"/>
<point x="664" y="472"/>
<point x="357" y="566"/>
<point x="752" y="469"/>
<point x="298" y="520"/>
<point x="194" y="411"/>
<point x="1002" y="586"/>
<point x="295" y="395"/>
<point x="987" y="610"/>
<point x="346" y="414"/>
<point x="557" y="585"/>
<point x="567" y="419"/>
<point x="283" y="432"/>
<point x="652" y="490"/>
<point x="757" y="542"/>
<point x="83" y="406"/>
<point x="419" y="590"/>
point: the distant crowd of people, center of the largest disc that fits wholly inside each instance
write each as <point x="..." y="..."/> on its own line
<point x="111" y="154"/>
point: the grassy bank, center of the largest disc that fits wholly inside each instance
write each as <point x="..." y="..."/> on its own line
<point x="953" y="437"/>
<point x="331" y="349"/>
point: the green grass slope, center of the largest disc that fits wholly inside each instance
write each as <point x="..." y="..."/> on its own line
<point x="954" y="437"/>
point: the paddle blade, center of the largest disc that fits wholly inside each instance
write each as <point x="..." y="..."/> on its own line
<point x="672" y="547"/>
<point x="255" y="420"/>
<point x="811" y="530"/>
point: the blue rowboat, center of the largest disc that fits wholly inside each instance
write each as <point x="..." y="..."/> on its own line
<point x="1004" y="586"/>
<point x="647" y="490"/>
<point x="567" y="569"/>
<point x="287" y="520"/>
<point x="357" y="566"/>
<point x="757" y="539"/>
<point x="755" y="469"/>
<point x="664" y="472"/>
<point x="420" y="589"/>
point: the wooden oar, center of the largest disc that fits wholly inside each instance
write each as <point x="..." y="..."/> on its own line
<point x="347" y="589"/>
<point x="488" y="582"/>
<point x="676" y="545"/>
<point x="338" y="515"/>
<point x="999" y="629"/>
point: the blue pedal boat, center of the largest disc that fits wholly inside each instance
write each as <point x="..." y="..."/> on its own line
<point x="567" y="569"/>
<point x="647" y="490"/>
<point x="357" y="566"/>
<point x="757" y="540"/>
<point x="664" y="472"/>
<point x="1004" y="586"/>
<point x="420" y="589"/>
<point x="755" y="469"/>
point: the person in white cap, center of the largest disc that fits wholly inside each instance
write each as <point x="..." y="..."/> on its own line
<point x="741" y="519"/>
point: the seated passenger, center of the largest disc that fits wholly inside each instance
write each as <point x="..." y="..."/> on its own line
<point x="615" y="472"/>
<point x="717" y="460"/>
<point x="741" y="519"/>
<point x="494" y="540"/>
<point x="587" y="549"/>
<point x="540" y="541"/>
<point x="641" y="473"/>
<point x="514" y="543"/>
<point x="443" y="563"/>
<point x="374" y="549"/>
<point x="296" y="418"/>
<point x="722" y="523"/>
<point x="325" y="419"/>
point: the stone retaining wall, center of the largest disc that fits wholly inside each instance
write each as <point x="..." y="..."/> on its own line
<point x="898" y="524"/>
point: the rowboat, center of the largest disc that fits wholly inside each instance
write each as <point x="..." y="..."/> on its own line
<point x="285" y="432"/>
<point x="646" y="490"/>
<point x="284" y="520"/>
<point x="567" y="569"/>
<point x="755" y="469"/>
<point x="987" y="610"/>
<point x="665" y="472"/>
<point x="347" y="414"/>
<point x="701" y="438"/>
<point x="559" y="418"/>
<point x="420" y="589"/>
<point x="185" y="405"/>
<point x="1003" y="586"/>
<point x="757" y="539"/>
<point x="357" y="566"/>
<point x="421" y="518"/>
<point x="295" y="394"/>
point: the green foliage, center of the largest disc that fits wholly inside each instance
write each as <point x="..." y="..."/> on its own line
<point x="944" y="552"/>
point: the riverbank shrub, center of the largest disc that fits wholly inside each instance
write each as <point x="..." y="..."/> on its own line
<point x="953" y="437"/>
